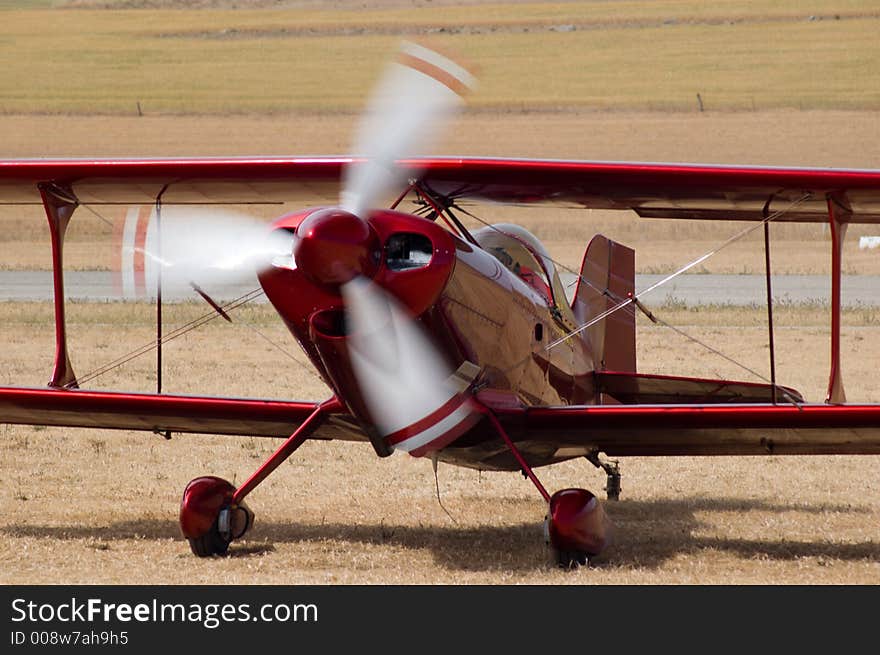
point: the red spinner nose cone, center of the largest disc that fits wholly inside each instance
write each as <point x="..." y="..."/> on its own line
<point x="333" y="246"/>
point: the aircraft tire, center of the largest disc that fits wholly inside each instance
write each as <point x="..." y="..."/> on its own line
<point x="570" y="559"/>
<point x="209" y="544"/>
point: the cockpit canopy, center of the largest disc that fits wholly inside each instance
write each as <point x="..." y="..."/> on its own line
<point x="522" y="253"/>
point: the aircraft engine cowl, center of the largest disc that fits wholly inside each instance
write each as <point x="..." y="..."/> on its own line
<point x="332" y="246"/>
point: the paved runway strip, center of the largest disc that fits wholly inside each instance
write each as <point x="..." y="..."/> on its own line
<point x="691" y="290"/>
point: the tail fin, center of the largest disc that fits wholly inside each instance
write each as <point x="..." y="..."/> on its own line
<point x="608" y="275"/>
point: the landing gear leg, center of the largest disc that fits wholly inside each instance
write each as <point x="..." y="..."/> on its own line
<point x="212" y="511"/>
<point x="575" y="527"/>
<point x="612" y="473"/>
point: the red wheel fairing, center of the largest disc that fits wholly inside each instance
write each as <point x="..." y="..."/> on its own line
<point x="577" y="522"/>
<point x="200" y="506"/>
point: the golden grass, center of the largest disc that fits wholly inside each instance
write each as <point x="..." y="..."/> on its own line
<point x="100" y="506"/>
<point x="462" y="13"/>
<point x="635" y="55"/>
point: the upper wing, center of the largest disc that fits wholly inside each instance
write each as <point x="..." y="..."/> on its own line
<point x="666" y="190"/>
<point x="190" y="181"/>
<point x="651" y="190"/>
<point x="161" y="413"/>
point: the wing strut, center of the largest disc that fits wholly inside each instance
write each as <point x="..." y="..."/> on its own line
<point x="838" y="219"/>
<point x="297" y="439"/>
<point x="524" y="465"/>
<point x="159" y="294"/>
<point x="59" y="203"/>
<point x="769" y="300"/>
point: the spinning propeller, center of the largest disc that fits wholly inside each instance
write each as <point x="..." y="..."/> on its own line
<point x="414" y="399"/>
<point x="198" y="246"/>
<point x="410" y="392"/>
<point x="409" y="110"/>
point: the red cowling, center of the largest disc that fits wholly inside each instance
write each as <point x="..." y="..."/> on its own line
<point x="578" y="522"/>
<point x="202" y="501"/>
<point x="332" y="246"/>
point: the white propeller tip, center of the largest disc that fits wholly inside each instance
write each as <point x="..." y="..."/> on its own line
<point x="409" y="109"/>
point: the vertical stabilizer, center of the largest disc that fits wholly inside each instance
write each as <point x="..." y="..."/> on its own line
<point x="607" y="277"/>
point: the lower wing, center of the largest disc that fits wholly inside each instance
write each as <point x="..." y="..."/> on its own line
<point x="163" y="413"/>
<point x="546" y="435"/>
<point x="667" y="416"/>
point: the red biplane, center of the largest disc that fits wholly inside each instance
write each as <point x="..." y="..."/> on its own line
<point x="448" y="343"/>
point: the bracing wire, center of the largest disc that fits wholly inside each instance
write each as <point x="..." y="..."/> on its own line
<point x="193" y="325"/>
<point x="185" y="328"/>
<point x="630" y="303"/>
<point x="175" y="333"/>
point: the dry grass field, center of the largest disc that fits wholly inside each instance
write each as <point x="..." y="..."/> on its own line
<point x="101" y="506"/>
<point x="598" y="55"/>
